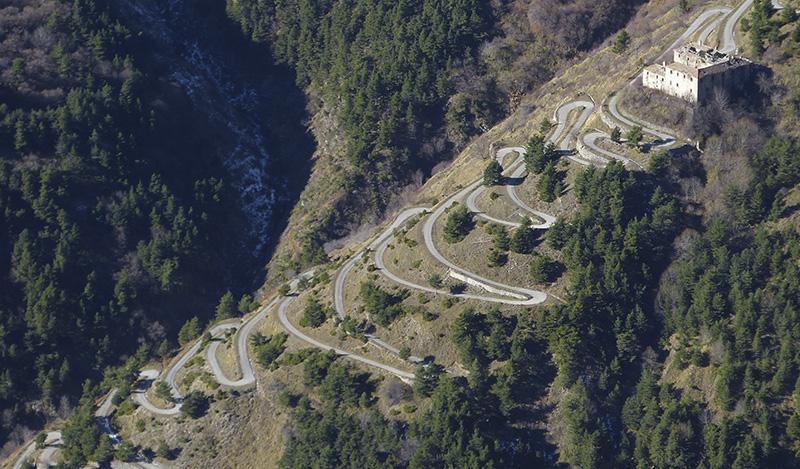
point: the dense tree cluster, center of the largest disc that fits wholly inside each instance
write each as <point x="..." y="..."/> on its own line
<point x="115" y="219"/>
<point x="760" y="27"/>
<point x="777" y="168"/>
<point x="383" y="306"/>
<point x="611" y="249"/>
<point x="314" y="313"/>
<point x="387" y="66"/>
<point x="412" y="81"/>
<point x="544" y="269"/>
<point x="195" y="404"/>
<point x="523" y="239"/>
<point x="538" y="153"/>
<point x="468" y="421"/>
<point x="579" y="24"/>
<point x="621" y="234"/>
<point x="493" y="174"/>
<point x="268" y="349"/>
<point x="735" y="292"/>
<point x="459" y="223"/>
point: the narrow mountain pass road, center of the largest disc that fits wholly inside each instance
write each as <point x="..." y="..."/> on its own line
<point x="139" y="395"/>
<point x="711" y="27"/>
<point x="664" y="138"/>
<point x="284" y="320"/>
<point x="242" y="354"/>
<point x="430" y="244"/>
<point x="585" y="109"/>
<point x="561" y="136"/>
<point x="690" y="30"/>
<point x="590" y="140"/>
<point x="728" y="40"/>
<point x="380" y="251"/>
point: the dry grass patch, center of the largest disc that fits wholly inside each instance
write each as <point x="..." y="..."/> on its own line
<point x="226" y="357"/>
<point x="658" y="108"/>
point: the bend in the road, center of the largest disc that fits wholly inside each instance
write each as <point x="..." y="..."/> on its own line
<point x="430" y="245"/>
<point x="728" y="40"/>
<point x="284" y="320"/>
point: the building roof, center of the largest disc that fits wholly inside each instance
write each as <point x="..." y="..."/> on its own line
<point x="705" y="56"/>
<point x="683" y="68"/>
<point x="655" y="68"/>
<point x="697" y="60"/>
<point x="699" y="56"/>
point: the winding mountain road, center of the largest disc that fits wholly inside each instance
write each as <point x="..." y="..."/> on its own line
<point x="585" y="108"/>
<point x="728" y="41"/>
<point x="712" y="26"/>
<point x="284" y="320"/>
<point x="535" y="296"/>
<point x="516" y="295"/>
<point x="25" y="456"/>
<point x="590" y="140"/>
<point x="242" y="355"/>
<point x="470" y="193"/>
<point x="380" y="250"/>
<point x="665" y="139"/>
<point x="690" y="30"/>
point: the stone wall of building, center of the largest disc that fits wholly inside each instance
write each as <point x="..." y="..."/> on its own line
<point x="697" y="72"/>
<point x="672" y="82"/>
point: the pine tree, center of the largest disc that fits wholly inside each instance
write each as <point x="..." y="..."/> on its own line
<point x="426" y="377"/>
<point x="459" y="224"/>
<point x="226" y="308"/>
<point x="634" y="137"/>
<point x="493" y="174"/>
<point x="621" y="42"/>
<point x="549" y="185"/>
<point x="523" y="240"/>
<point x="189" y="331"/>
<point x="539" y="152"/>
<point x="616" y="134"/>
<point x="496" y="258"/>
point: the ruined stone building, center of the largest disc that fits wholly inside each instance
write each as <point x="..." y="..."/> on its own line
<point x="696" y="72"/>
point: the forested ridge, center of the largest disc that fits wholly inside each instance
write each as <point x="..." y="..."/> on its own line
<point x="677" y="343"/>
<point x="673" y="343"/>
<point x="731" y="309"/>
<point x="410" y="82"/>
<point x="117" y="221"/>
<point x="496" y="416"/>
<point x="385" y="67"/>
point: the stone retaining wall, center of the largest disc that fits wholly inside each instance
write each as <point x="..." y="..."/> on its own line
<point x="477" y="283"/>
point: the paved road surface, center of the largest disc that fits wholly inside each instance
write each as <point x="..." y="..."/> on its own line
<point x="693" y="27"/>
<point x="25" y="455"/>
<point x="404" y="375"/>
<point x="712" y="26"/>
<point x="380" y="250"/>
<point x="586" y="107"/>
<point x="427" y="233"/>
<point x="380" y="244"/>
<point x="242" y="354"/>
<point x="728" y="41"/>
<point x="590" y="140"/>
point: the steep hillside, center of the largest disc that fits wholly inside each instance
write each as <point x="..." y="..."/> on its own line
<point x="584" y="285"/>
<point x="135" y="189"/>
<point x="397" y="88"/>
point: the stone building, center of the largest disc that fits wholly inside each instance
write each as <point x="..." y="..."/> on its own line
<point x="696" y="72"/>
